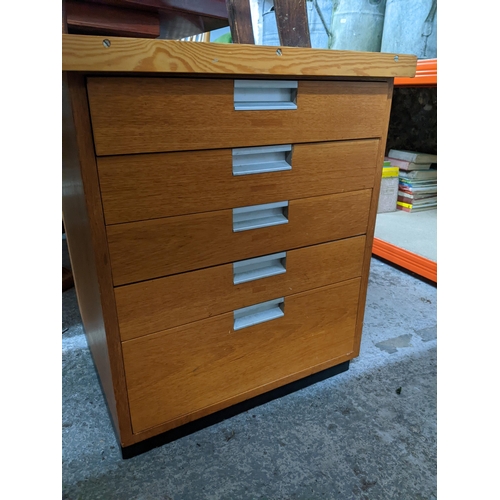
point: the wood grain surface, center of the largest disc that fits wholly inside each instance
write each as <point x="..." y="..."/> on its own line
<point x="292" y="23"/>
<point x="140" y="187"/>
<point x="371" y="223"/>
<point x="147" y="115"/>
<point x="150" y="249"/>
<point x="154" y="283"/>
<point x="98" y="19"/>
<point x="87" y="53"/>
<point x="86" y="239"/>
<point x="240" y="21"/>
<point x="206" y="364"/>
<point x="205" y="8"/>
<point x="151" y="306"/>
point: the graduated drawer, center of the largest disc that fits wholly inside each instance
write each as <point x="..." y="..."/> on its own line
<point x="180" y="374"/>
<point x="147" y="115"/>
<point x="150" y="249"/>
<point x="140" y="187"/>
<point x="151" y="306"/>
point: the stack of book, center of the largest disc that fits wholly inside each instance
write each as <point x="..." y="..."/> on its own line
<point x="417" y="179"/>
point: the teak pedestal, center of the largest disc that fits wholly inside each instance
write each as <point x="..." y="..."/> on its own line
<point x="219" y="204"/>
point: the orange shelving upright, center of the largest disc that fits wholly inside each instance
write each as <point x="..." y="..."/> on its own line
<point x="426" y="75"/>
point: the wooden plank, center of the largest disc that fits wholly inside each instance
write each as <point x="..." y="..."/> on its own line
<point x="87" y="53"/>
<point x="160" y="247"/>
<point x="140" y="187"/>
<point x="64" y="18"/>
<point x="86" y="239"/>
<point x="240" y="21"/>
<point x="209" y="8"/>
<point x="206" y="8"/>
<point x="107" y="20"/>
<point x="293" y="26"/>
<point x="148" y="115"/>
<point x="152" y="306"/>
<point x="207" y="365"/>
<point x="371" y="222"/>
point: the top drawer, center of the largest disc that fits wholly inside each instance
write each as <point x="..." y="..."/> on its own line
<point x="146" y="115"/>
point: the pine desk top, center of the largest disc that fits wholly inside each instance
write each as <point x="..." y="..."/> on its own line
<point x="140" y="55"/>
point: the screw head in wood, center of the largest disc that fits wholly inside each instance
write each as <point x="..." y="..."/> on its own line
<point x="278" y="52"/>
<point x="106" y="43"/>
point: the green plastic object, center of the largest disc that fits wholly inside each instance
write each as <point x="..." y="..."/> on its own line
<point x="225" y="38"/>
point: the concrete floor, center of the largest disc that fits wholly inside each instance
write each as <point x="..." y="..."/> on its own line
<point x="349" y="437"/>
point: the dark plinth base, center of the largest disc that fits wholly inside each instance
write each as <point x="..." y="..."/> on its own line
<point x="191" y="427"/>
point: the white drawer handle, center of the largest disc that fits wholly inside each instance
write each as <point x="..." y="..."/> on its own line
<point x="251" y="95"/>
<point x="259" y="313"/>
<point x="258" y="216"/>
<point x="258" y="268"/>
<point x="262" y="159"/>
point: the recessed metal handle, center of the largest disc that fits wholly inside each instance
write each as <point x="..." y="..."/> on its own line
<point x="257" y="216"/>
<point x="259" y="313"/>
<point x="250" y="95"/>
<point x="258" y="268"/>
<point x="262" y="159"/>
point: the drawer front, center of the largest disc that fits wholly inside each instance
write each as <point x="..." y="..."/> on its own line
<point x="152" y="306"/>
<point x="189" y="369"/>
<point x="140" y="187"/>
<point x="147" y="115"/>
<point x="150" y="249"/>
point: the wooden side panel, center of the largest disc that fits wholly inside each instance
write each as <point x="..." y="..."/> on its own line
<point x="140" y="187"/>
<point x="86" y="237"/>
<point x="177" y="373"/>
<point x="371" y="222"/>
<point x="147" y="115"/>
<point x="155" y="305"/>
<point x="150" y="249"/>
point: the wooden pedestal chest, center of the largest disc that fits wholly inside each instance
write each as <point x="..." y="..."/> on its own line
<point x="219" y="203"/>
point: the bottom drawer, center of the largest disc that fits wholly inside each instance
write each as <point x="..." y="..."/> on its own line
<point x="187" y="372"/>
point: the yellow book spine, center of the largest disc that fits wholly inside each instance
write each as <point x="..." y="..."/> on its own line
<point x="390" y="172"/>
<point x="402" y="204"/>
